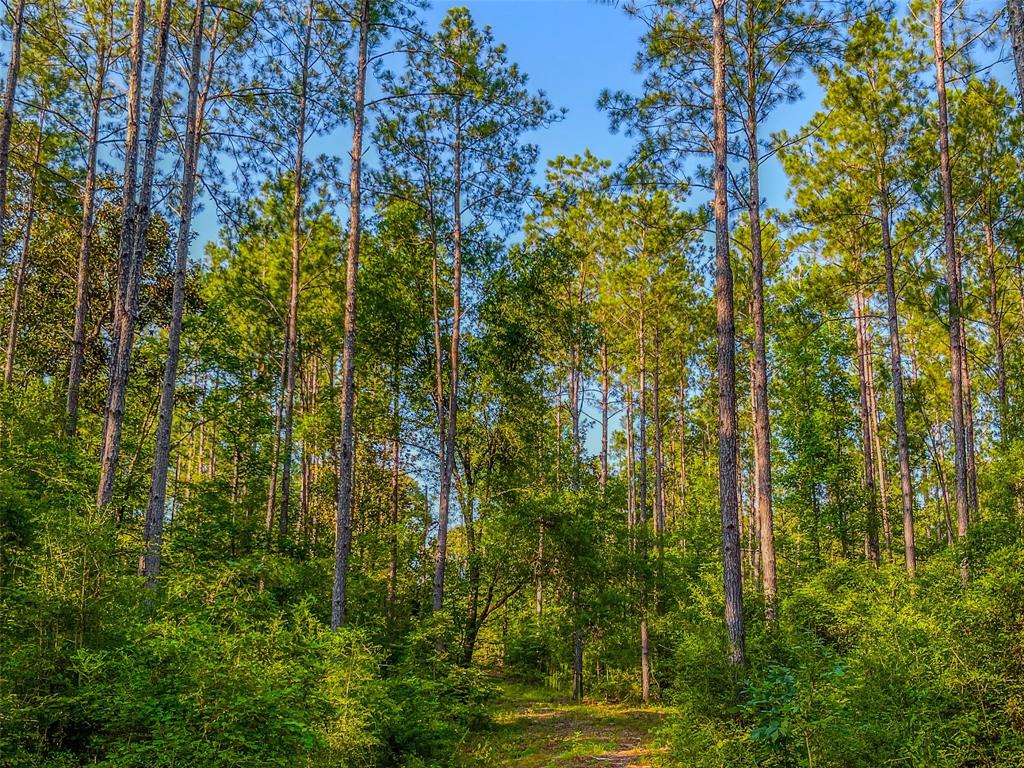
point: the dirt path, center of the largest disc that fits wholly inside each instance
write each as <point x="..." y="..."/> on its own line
<point x="535" y="729"/>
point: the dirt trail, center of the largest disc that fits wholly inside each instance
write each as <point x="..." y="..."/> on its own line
<point x="535" y="729"/>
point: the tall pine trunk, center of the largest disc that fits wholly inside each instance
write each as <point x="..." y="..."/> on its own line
<point x="343" y="519"/>
<point x="996" y="319"/>
<point x="864" y="365"/>
<point x="450" y="421"/>
<point x="132" y="246"/>
<point x="953" y="282"/>
<point x="899" y="410"/>
<point x="26" y="242"/>
<point x="7" y="118"/>
<point x="726" y="332"/>
<point x="149" y="563"/>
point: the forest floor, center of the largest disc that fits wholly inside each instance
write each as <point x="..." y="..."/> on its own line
<point x="535" y="728"/>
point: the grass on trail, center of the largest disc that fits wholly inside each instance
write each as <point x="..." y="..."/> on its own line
<point x="535" y="728"/>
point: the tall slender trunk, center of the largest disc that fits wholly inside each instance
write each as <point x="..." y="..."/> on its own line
<point x="881" y="473"/>
<point x="867" y="428"/>
<point x="630" y="468"/>
<point x="726" y="332"/>
<point x="7" y="118"/>
<point x="1015" y="26"/>
<point x="22" y="270"/>
<point x="605" y="387"/>
<point x="682" y="441"/>
<point x="149" y="563"/>
<point x="453" y="360"/>
<point x="972" y="467"/>
<point x="996" y="318"/>
<point x="348" y="356"/>
<point x="659" y="463"/>
<point x="291" y="340"/>
<point x="396" y="476"/>
<point x="77" y="366"/>
<point x="134" y="229"/>
<point x="645" y="647"/>
<point x="899" y="411"/>
<point x="955" y="343"/>
<point x="759" y="370"/>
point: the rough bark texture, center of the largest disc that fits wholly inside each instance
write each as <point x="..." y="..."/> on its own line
<point x="952" y="279"/>
<point x="132" y="246"/>
<point x="726" y="332"/>
<point x="1015" y="25"/>
<point x="348" y="354"/>
<point x="149" y="563"/>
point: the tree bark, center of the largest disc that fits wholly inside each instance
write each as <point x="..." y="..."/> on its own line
<point x="867" y="428"/>
<point x="149" y="563"/>
<point x="448" y="437"/>
<point x="996" y="318"/>
<point x="291" y="340"/>
<point x="132" y="247"/>
<point x="22" y="269"/>
<point x="1015" y="26"/>
<point x="726" y="333"/>
<point x="953" y="282"/>
<point x="759" y="370"/>
<point x="348" y="355"/>
<point x="899" y="411"/>
<point x="7" y="118"/>
<point x="605" y="387"/>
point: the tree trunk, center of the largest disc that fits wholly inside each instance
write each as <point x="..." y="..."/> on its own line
<point x="291" y="340"/>
<point x="1015" y="25"/>
<point x="149" y="563"/>
<point x="867" y="428"/>
<point x="132" y="246"/>
<point x="899" y="411"/>
<point x="605" y="387"/>
<point x="645" y="651"/>
<point x="955" y="343"/>
<point x="348" y="356"/>
<point x="7" y="119"/>
<point x="996" y="318"/>
<point x="682" y="442"/>
<point x="726" y="332"/>
<point x="22" y="270"/>
<point x="453" y="359"/>
<point x="759" y="369"/>
<point x="77" y="366"/>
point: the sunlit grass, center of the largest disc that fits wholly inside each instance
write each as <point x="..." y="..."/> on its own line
<point x="537" y="728"/>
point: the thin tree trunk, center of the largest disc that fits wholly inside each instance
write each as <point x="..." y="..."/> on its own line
<point x="348" y="356"/>
<point x="955" y="343"/>
<point x="149" y="563"/>
<point x="396" y="476"/>
<point x="759" y="369"/>
<point x="133" y="236"/>
<point x="453" y="358"/>
<point x="22" y="270"/>
<point x="899" y="411"/>
<point x="77" y="366"/>
<point x="726" y="331"/>
<point x="682" y="442"/>
<point x="605" y="387"/>
<point x="867" y="429"/>
<point x="7" y="118"/>
<point x="291" y="340"/>
<point x="996" y="318"/>
<point x="645" y="648"/>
